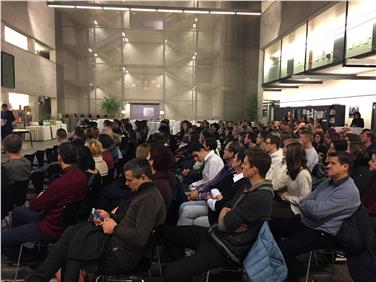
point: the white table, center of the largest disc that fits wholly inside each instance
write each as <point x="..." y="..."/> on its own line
<point x="40" y="132"/>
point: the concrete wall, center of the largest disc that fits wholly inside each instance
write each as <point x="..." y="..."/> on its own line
<point x="34" y="75"/>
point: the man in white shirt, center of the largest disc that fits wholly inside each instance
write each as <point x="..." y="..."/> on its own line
<point x="278" y="168"/>
<point x="306" y="138"/>
<point x="212" y="162"/>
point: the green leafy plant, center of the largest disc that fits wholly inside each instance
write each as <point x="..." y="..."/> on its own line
<point x="110" y="105"/>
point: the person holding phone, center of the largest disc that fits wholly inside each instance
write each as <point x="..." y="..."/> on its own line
<point x="118" y="240"/>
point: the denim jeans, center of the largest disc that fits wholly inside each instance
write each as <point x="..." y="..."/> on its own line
<point x="24" y="229"/>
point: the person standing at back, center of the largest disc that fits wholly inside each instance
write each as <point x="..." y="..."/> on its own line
<point x="306" y="138"/>
<point x="7" y="118"/>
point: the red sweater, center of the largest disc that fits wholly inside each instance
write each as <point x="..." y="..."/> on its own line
<point x="107" y="157"/>
<point x="369" y="197"/>
<point x="68" y="189"/>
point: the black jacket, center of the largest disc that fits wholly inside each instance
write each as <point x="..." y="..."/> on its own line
<point x="357" y="239"/>
<point x="360" y="173"/>
<point x="251" y="207"/>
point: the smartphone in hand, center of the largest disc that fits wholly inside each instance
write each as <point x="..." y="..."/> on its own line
<point x="97" y="215"/>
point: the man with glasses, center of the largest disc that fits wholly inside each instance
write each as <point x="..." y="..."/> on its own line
<point x="272" y="147"/>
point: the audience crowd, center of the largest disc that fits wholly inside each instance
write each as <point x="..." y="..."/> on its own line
<point x="204" y="193"/>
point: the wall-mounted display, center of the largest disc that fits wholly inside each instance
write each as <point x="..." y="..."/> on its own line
<point x="361" y="28"/>
<point x="293" y="52"/>
<point x="272" y="62"/>
<point x="325" y="40"/>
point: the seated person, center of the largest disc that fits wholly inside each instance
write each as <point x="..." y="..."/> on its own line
<point x="110" y="153"/>
<point x="271" y="146"/>
<point x="15" y="169"/>
<point x="322" y="212"/>
<point x="213" y="162"/>
<point x="369" y="197"/>
<point x="96" y="150"/>
<point x="213" y="166"/>
<point x="43" y="220"/>
<point x="78" y="136"/>
<point x="61" y="135"/>
<point x="238" y="225"/>
<point x="286" y="213"/>
<point x="127" y="229"/>
<point x="219" y="197"/>
<point x="18" y="167"/>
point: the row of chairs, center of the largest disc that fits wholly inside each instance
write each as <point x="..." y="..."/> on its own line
<point x="43" y="156"/>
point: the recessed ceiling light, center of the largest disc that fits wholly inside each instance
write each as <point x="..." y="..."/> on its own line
<point x="194" y="25"/>
<point x="91" y="84"/>
<point x="95" y="22"/>
<point x="90" y="50"/>
<point x="126" y="39"/>
<point x="196" y="20"/>
<point x="123" y="34"/>
<point x="165" y="41"/>
<point x="194" y="58"/>
<point x="95" y="55"/>
<point x="123" y="68"/>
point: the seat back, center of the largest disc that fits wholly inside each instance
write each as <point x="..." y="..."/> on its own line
<point x="49" y="155"/>
<point x="30" y="157"/>
<point x="40" y="157"/>
<point x="19" y="191"/>
<point x="37" y="178"/>
<point x="70" y="213"/>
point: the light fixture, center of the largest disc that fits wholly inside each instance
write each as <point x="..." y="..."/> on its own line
<point x="169" y="11"/>
<point x="95" y="55"/>
<point x="165" y="41"/>
<point x="89" y="7"/>
<point x="126" y="71"/>
<point x="95" y="22"/>
<point x="90" y="50"/>
<point x="194" y="58"/>
<point x="123" y="34"/>
<point x="196" y="12"/>
<point x="248" y="13"/>
<point x="123" y="68"/>
<point x="195" y="53"/>
<point x="116" y="8"/>
<point x="196" y="20"/>
<point x="61" y="6"/>
<point x="126" y="39"/>
<point x="91" y="84"/>
<point x="143" y="9"/>
<point x="222" y="12"/>
<point x="194" y="25"/>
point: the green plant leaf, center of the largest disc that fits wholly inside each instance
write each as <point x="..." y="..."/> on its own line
<point x="110" y="105"/>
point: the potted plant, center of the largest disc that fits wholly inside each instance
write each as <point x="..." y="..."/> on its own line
<point x="110" y="105"/>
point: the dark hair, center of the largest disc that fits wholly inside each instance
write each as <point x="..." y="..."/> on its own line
<point x="357" y="149"/>
<point x="241" y="154"/>
<point x="343" y="158"/>
<point x="91" y="133"/>
<point x="4" y="105"/>
<point x="274" y="139"/>
<point x="307" y="133"/>
<point x="162" y="158"/>
<point x="319" y="133"/>
<point x="295" y="159"/>
<point x="61" y="133"/>
<point x="196" y="147"/>
<point x="139" y="167"/>
<point x="211" y="143"/>
<point x="235" y="147"/>
<point x="106" y="141"/>
<point x="251" y="135"/>
<point x="12" y="143"/>
<point x="160" y="138"/>
<point x="79" y="131"/>
<point x="352" y="137"/>
<point x="107" y="123"/>
<point x="340" y="145"/>
<point x="85" y="159"/>
<point x="68" y="152"/>
<point x="371" y="135"/>
<point x="259" y="159"/>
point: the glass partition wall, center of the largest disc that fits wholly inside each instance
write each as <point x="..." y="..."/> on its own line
<point x="184" y="62"/>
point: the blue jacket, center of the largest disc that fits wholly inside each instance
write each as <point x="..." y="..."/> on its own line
<point x="264" y="262"/>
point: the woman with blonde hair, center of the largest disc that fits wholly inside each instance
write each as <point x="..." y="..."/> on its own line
<point x="96" y="150"/>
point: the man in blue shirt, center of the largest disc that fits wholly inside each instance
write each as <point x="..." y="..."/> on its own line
<point x="323" y="211"/>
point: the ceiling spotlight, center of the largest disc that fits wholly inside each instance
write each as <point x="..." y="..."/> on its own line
<point x="90" y="50"/>
<point x="123" y="68"/>
<point x="194" y="25"/>
<point x="126" y="71"/>
<point x="123" y="34"/>
<point x="95" y="22"/>
<point x="195" y="53"/>
<point x="95" y="55"/>
<point x="91" y="84"/>
<point x="196" y="20"/>
<point x="194" y="58"/>
<point x="165" y="41"/>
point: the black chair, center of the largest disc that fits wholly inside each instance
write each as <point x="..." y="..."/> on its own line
<point x="49" y="155"/>
<point x="37" y="179"/>
<point x="108" y="179"/>
<point x="40" y="157"/>
<point x="144" y="265"/>
<point x="55" y="153"/>
<point x="19" y="191"/>
<point x="31" y="158"/>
